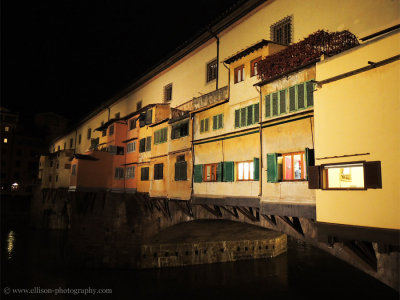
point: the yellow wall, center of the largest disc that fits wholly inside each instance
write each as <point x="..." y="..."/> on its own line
<point x="188" y="75"/>
<point x="360" y="114"/>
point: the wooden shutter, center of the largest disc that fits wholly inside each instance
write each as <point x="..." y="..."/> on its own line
<point x="243" y="117"/>
<point x="314" y="177"/>
<point x="228" y="171"/>
<point x="272" y="167"/>
<point x="268" y="106"/>
<point x="149" y="115"/>
<point x="372" y="175"/>
<point x="237" y="118"/>
<point x="215" y="122"/>
<point x="249" y="115"/>
<point x="292" y="98"/>
<point x="256" y="168"/>
<point x="148" y="143"/>
<point x="220" y="121"/>
<point x="310" y="93"/>
<point x="206" y="121"/>
<point x="275" y="104"/>
<point x="300" y="96"/>
<point x="282" y="102"/>
<point x="198" y="173"/>
<point x="310" y="159"/>
<point x="219" y="171"/>
<point x="256" y="112"/>
<point x="202" y="125"/>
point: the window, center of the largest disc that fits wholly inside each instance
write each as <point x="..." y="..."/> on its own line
<point x="180" y="130"/>
<point x="132" y="124"/>
<point x="289" y="166"/>
<point x="158" y="171"/>
<point x="5" y="141"/>
<point x="180" y="168"/>
<point x="289" y="100"/>
<point x="131" y="147"/>
<point x="246" y="116"/>
<point x="144" y="173"/>
<point x="161" y="136"/>
<point x="293" y="166"/>
<point x="149" y="114"/>
<point x="119" y="173"/>
<point x="218" y="122"/>
<point x="58" y="148"/>
<point x="65" y="146"/>
<point x="212" y="69"/>
<point x="71" y="143"/>
<point x="111" y="130"/>
<point x="145" y="144"/>
<point x="281" y="32"/>
<point x="139" y="105"/>
<point x="117" y="115"/>
<point x="89" y="133"/>
<point x="204" y="125"/>
<point x="6" y="128"/>
<point x="210" y="172"/>
<point x="73" y="170"/>
<point x="168" y="92"/>
<point x="130" y="172"/>
<point x="239" y="74"/>
<point x="245" y="171"/>
<point x="79" y="139"/>
<point x="253" y="66"/>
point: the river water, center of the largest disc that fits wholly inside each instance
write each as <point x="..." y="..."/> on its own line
<point x="34" y="260"/>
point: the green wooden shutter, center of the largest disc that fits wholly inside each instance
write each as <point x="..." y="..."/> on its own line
<point x="198" y="173"/>
<point x="221" y="121"/>
<point x="202" y="125"/>
<point x="237" y="118"/>
<point x="268" y="106"/>
<point x="148" y="143"/>
<point x="310" y="93"/>
<point x="215" y="122"/>
<point x="275" y="104"/>
<point x="256" y="112"/>
<point x="256" y="168"/>
<point x="243" y="117"/>
<point x="300" y="96"/>
<point x="206" y="124"/>
<point x="249" y="115"/>
<point x="219" y="171"/>
<point x="292" y="98"/>
<point x="228" y="174"/>
<point x="282" y="102"/>
<point x="272" y="168"/>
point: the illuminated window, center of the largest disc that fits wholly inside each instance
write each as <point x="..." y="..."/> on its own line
<point x="253" y="66"/>
<point x="5" y="141"/>
<point x="239" y="74"/>
<point x="346" y="176"/>
<point x="293" y="166"/>
<point x="245" y="171"/>
<point x="6" y="128"/>
<point x="210" y="172"/>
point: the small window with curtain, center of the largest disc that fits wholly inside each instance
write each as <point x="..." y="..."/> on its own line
<point x="253" y="66"/>
<point x="245" y="171"/>
<point x="210" y="172"/>
<point x="239" y="74"/>
<point x="130" y="172"/>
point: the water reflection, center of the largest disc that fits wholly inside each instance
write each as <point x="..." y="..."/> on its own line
<point x="11" y="239"/>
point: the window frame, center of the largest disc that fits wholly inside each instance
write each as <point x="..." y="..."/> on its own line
<point x="211" y="70"/>
<point x="303" y="166"/>
<point x="282" y="25"/>
<point x="143" y="174"/>
<point x="111" y="130"/>
<point x="131" y="147"/>
<point x="177" y="126"/>
<point x="119" y="173"/>
<point x="325" y="178"/>
<point x="157" y="171"/>
<point x="251" y="174"/>
<point x="220" y="121"/>
<point x="161" y="136"/>
<point x="236" y="72"/>
<point x="132" y="124"/>
<point x="130" y="172"/>
<point x="253" y="66"/>
<point x="255" y="116"/>
<point x="89" y="133"/>
<point x="213" y="167"/>
<point x="203" y="123"/>
<point x="168" y="93"/>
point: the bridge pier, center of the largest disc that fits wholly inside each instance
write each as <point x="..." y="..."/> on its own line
<point x="107" y="229"/>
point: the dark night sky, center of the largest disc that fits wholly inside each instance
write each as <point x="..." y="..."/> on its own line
<point x="69" y="56"/>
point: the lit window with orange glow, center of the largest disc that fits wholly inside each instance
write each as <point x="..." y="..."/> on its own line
<point x="294" y="166"/>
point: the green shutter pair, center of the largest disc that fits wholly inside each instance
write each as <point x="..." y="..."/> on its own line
<point x="246" y="116"/>
<point x="272" y="164"/>
<point x="218" y="121"/>
<point x="204" y="124"/>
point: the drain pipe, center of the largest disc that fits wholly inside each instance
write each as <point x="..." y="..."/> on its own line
<point x="261" y="148"/>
